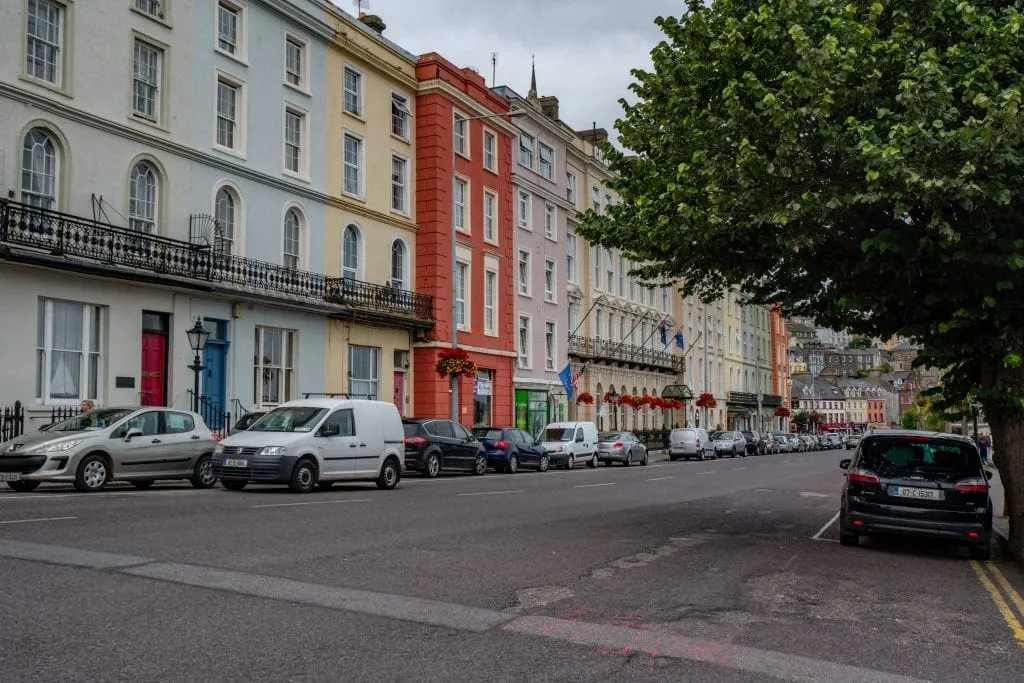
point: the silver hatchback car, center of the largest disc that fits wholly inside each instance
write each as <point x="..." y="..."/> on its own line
<point x="140" y="445"/>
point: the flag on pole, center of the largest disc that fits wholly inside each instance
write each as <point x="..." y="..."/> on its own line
<point x="579" y="373"/>
<point x="679" y="339"/>
<point x="565" y="376"/>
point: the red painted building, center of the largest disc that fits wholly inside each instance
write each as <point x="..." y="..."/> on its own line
<point x="479" y="200"/>
<point x="781" y="384"/>
<point x="876" y="411"/>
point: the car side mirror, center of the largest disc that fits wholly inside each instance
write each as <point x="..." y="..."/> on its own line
<point x="330" y="430"/>
<point x="844" y="464"/>
<point x="988" y="474"/>
<point x="132" y="433"/>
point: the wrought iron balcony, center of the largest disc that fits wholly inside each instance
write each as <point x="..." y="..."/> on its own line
<point x="623" y="354"/>
<point x="62" y="234"/>
<point x="745" y="398"/>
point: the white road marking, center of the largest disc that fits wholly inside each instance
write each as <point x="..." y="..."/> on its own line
<point x="825" y="528"/>
<point x="588" y="486"/>
<point x="762" y="490"/>
<point x="737" y="469"/>
<point x="488" y="493"/>
<point x="40" y="519"/>
<point x="660" y="478"/>
<point x="783" y="462"/>
<point x="708" y="472"/>
<point x="813" y="494"/>
<point x="315" y="502"/>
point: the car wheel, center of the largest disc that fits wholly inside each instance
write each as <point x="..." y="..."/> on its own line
<point x="480" y="465"/>
<point x="593" y="461"/>
<point x="544" y="463"/>
<point x="629" y="459"/>
<point x="203" y="476"/>
<point x="570" y="462"/>
<point x="673" y="458"/>
<point x="849" y="540"/>
<point x="432" y="468"/>
<point x="144" y="484"/>
<point x="303" y="477"/>
<point x="389" y="475"/>
<point x="643" y="462"/>
<point x="23" y="486"/>
<point x="233" y="484"/>
<point x="93" y="474"/>
<point x="513" y="464"/>
<point x="980" y="553"/>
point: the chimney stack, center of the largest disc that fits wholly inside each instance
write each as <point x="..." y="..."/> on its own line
<point x="549" y="105"/>
<point x="373" y="21"/>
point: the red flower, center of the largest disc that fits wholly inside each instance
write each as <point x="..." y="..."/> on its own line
<point x="454" y="362"/>
<point x="585" y="398"/>
<point x="625" y="400"/>
<point x="783" y="411"/>
<point x="607" y="397"/>
<point x="647" y="400"/>
<point x="706" y="401"/>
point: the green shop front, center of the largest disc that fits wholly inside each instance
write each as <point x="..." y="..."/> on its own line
<point x="535" y="408"/>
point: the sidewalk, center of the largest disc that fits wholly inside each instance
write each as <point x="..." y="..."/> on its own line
<point x="1000" y="524"/>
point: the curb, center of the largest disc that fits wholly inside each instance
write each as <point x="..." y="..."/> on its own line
<point x="1002" y="539"/>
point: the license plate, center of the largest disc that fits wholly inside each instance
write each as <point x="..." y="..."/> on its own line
<point x="920" y="494"/>
<point x="234" y="462"/>
<point x="10" y="476"/>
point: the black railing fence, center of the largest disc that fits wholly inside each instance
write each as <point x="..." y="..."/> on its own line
<point x="12" y="419"/>
<point x="216" y="418"/>
<point x="607" y="350"/>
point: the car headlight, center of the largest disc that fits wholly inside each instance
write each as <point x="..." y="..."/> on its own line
<point x="218" y="449"/>
<point x="558" y="449"/>
<point x="61" y="446"/>
<point x="273" y="450"/>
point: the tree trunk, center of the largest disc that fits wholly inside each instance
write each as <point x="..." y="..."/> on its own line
<point x="1006" y="420"/>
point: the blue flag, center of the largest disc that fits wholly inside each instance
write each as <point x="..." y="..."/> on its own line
<point x="663" y="331"/>
<point x="679" y="339"/>
<point x="565" y="376"/>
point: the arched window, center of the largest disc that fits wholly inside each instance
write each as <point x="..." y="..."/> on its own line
<point x="225" y="211"/>
<point x="142" y="199"/>
<point x="350" y="253"/>
<point x="40" y="168"/>
<point x="398" y="264"/>
<point x="292" y="239"/>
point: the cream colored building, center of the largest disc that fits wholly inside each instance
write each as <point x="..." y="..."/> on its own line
<point x="703" y="362"/>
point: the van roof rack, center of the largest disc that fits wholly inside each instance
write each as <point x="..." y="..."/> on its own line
<point x="318" y="394"/>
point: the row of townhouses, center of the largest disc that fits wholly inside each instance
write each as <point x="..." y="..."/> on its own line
<point x="333" y="212"/>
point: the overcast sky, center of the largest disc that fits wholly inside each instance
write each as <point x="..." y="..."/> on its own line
<point x="584" y="48"/>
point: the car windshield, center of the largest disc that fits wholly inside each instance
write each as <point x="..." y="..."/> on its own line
<point x="893" y="454"/>
<point x="559" y="433"/>
<point x="92" y="420"/>
<point x="609" y="436"/>
<point x="724" y="436"/>
<point x="780" y="437"/>
<point x="411" y="428"/>
<point x="682" y="433"/>
<point x="290" y="419"/>
<point x="486" y="433"/>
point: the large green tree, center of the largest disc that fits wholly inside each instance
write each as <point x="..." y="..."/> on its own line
<point x="855" y="161"/>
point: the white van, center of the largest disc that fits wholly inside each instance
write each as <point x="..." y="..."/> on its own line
<point x="316" y="441"/>
<point x="569" y="442"/>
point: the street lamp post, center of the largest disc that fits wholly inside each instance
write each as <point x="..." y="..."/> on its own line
<point x="197" y="337"/>
<point x="453" y="380"/>
<point x="613" y="395"/>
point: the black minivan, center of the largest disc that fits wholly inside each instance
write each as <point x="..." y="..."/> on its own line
<point x="916" y="483"/>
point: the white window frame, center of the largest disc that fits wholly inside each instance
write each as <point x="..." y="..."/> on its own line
<point x="225" y="245"/>
<point x="287" y="368"/>
<point x="241" y="51"/>
<point x="549" y="174"/>
<point x="157" y="85"/>
<point x="239" y="146"/>
<point x="359" y="94"/>
<point x="490" y="156"/>
<point x="292" y="38"/>
<point x="570" y="188"/>
<point x="550" y="287"/>
<point x="285" y="254"/>
<point x="401" y="282"/>
<point x="523" y="354"/>
<point x="524" y="209"/>
<point x="550" y="222"/>
<point x="357" y="272"/>
<point x="490" y="301"/>
<point x="42" y="199"/>
<point x="150" y="224"/>
<point x="151" y="8"/>
<point x="571" y="262"/>
<point x="524" y="284"/>
<point x="530" y="150"/>
<point x="400" y="101"/>
<point x="404" y="184"/>
<point x="360" y="164"/>
<point x="461" y="209"/>
<point x="59" y="47"/>
<point x="595" y="198"/>
<point x="375" y="380"/>
<point x="622" y="274"/>
<point x="490" y="217"/>
<point x="302" y="172"/>
<point x="460" y="140"/>
<point x="463" y="275"/>
<point x="550" y="350"/>
<point x="44" y="353"/>
<point x="595" y="256"/>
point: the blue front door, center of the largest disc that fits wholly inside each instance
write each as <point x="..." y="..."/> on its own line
<point x="215" y="360"/>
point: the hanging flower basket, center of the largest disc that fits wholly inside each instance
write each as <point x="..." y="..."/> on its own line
<point x="647" y="400"/>
<point x="637" y="402"/>
<point x="815" y="418"/>
<point x="625" y="400"/>
<point x="706" y="401"/>
<point x="783" y="411"/>
<point x="659" y="403"/>
<point x="454" y="362"/>
<point x="607" y="398"/>
<point x="675" y="404"/>
<point x="586" y="399"/>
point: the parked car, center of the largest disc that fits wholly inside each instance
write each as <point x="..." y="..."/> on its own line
<point x="570" y="442"/>
<point x="435" y="444"/>
<point x="852" y="441"/>
<point x="755" y="444"/>
<point x="730" y="443"/>
<point x="315" y="442"/>
<point x="508" y="449"/>
<point x="917" y="484"/>
<point x="795" y="444"/>
<point x="687" y="442"/>
<point x="782" y="442"/>
<point x="621" y="447"/>
<point x="89" y="450"/>
<point x="771" y="446"/>
<point x="835" y="441"/>
<point x="247" y="421"/>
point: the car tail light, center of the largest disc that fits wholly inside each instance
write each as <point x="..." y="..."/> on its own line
<point x="863" y="476"/>
<point x="217" y="437"/>
<point x="415" y="441"/>
<point x="698" y="443"/>
<point x="919" y="439"/>
<point x="972" y="534"/>
<point x="617" y="444"/>
<point x="501" y="444"/>
<point x="972" y="486"/>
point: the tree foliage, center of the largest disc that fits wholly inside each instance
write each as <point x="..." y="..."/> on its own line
<point x="802" y="418"/>
<point x="860" y="342"/>
<point x="858" y="162"/>
<point x="908" y="420"/>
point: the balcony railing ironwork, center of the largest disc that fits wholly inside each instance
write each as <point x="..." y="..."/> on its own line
<point x="66" y="235"/>
<point x="628" y="354"/>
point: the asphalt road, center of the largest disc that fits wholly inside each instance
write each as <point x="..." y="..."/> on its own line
<point x="724" y="570"/>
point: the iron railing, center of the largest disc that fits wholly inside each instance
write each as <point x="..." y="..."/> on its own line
<point x="216" y="418"/>
<point x="12" y="422"/>
<point x="607" y="350"/>
<point x="66" y="235"/>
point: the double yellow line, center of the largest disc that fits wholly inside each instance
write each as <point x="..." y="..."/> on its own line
<point x="993" y="580"/>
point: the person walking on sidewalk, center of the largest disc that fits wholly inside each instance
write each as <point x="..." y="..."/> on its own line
<point x="984" y="444"/>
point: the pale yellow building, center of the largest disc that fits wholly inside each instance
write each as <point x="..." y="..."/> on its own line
<point x="370" y="228"/>
<point x="703" y="360"/>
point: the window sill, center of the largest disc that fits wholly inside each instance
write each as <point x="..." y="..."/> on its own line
<point x="406" y="140"/>
<point x="463" y="155"/>
<point x="527" y="295"/>
<point x="550" y="238"/>
<point x="52" y="87"/>
<point x="149" y="123"/>
<point x="301" y="89"/>
<point x="493" y="243"/>
<point x="493" y="171"/>
<point x="292" y="175"/>
<point x="402" y="214"/>
<point x="552" y="300"/>
<point x="357" y="197"/>
<point x="233" y="57"/>
<point x="152" y="17"/>
<point x="527" y="228"/>
<point x="229" y="151"/>
<point x="463" y="231"/>
<point x="354" y="115"/>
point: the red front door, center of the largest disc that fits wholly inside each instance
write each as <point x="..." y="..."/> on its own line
<point x="153" y="389"/>
<point x="400" y="392"/>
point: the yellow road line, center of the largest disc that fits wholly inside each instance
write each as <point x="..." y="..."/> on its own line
<point x="1007" y="588"/>
<point x="997" y="598"/>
